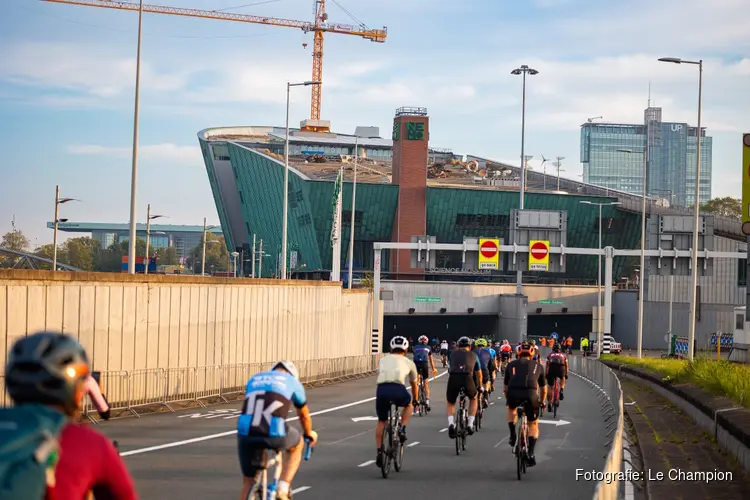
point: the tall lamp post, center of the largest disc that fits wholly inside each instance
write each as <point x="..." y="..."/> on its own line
<point x="149" y="218"/>
<point x="354" y="212"/>
<point x="694" y="256"/>
<point x="285" y="213"/>
<point x="134" y="167"/>
<point x="58" y="201"/>
<point x="203" y="257"/>
<point x="599" y="275"/>
<point x="642" y="276"/>
<point x="523" y="70"/>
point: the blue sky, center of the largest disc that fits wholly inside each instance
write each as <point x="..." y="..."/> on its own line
<point x="67" y="80"/>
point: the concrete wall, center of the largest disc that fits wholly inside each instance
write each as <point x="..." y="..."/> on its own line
<point x="457" y="297"/>
<point x="163" y="322"/>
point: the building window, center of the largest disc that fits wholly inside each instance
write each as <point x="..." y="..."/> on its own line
<point x="242" y="198"/>
<point x="482" y="221"/>
<point x="304" y="220"/>
<point x="739" y="321"/>
<point x="742" y="272"/>
<point x="610" y="225"/>
<point x="346" y="216"/>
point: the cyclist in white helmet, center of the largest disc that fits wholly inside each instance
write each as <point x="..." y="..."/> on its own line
<point x="394" y="373"/>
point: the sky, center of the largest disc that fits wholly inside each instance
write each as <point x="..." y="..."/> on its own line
<point x="67" y="79"/>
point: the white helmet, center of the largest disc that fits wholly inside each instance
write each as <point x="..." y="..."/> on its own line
<point x="288" y="366"/>
<point x="423" y="339"/>
<point x="399" y="343"/>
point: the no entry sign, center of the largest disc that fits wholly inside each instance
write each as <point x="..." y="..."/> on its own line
<point x="489" y="253"/>
<point x="538" y="255"/>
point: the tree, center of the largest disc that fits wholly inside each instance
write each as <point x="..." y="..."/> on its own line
<point x="167" y="256"/>
<point x="217" y="255"/>
<point x="82" y="253"/>
<point x="727" y="206"/>
<point x="15" y="240"/>
<point x="110" y="260"/>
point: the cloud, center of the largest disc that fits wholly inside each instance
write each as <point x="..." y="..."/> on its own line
<point x="169" y="153"/>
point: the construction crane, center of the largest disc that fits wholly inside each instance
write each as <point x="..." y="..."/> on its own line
<point x="319" y="26"/>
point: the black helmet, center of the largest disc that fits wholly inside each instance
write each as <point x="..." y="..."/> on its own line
<point x="45" y="368"/>
<point x="556" y="347"/>
<point x="464" y="342"/>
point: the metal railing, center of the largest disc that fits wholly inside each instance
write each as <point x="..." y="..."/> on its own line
<point x="609" y="393"/>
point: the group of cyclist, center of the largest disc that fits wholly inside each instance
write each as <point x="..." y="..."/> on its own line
<point x="472" y="369"/>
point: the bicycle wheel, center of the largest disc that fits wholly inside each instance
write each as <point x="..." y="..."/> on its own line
<point x="478" y="418"/>
<point x="387" y="450"/>
<point x="398" y="454"/>
<point x="459" y="429"/>
<point x="464" y="434"/>
<point x="519" y="457"/>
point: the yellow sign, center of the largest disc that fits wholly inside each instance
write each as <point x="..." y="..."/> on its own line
<point x="538" y="255"/>
<point x="746" y="184"/>
<point x="489" y="253"/>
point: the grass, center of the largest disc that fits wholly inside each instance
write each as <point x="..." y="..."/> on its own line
<point x="720" y="378"/>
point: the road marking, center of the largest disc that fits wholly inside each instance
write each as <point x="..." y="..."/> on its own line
<point x="443" y="430"/>
<point x="300" y="489"/>
<point x="415" y="443"/>
<point x="557" y="423"/>
<point x="501" y="441"/>
<point x="363" y="419"/>
<point x="500" y="397"/>
<point x="564" y="439"/>
<point x="365" y="464"/>
<point x="350" y="437"/>
<point x="233" y="432"/>
<point x="492" y="403"/>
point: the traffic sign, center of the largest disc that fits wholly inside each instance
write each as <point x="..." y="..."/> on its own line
<point x="489" y="253"/>
<point x="538" y="255"/>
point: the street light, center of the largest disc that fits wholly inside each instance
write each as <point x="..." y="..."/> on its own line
<point x="58" y="201"/>
<point x="559" y="164"/>
<point x="523" y="70"/>
<point x="642" y="277"/>
<point x="599" y="274"/>
<point x="354" y="212"/>
<point x="203" y="258"/>
<point x="285" y="214"/>
<point x="149" y="218"/>
<point x="134" y="168"/>
<point x="234" y="257"/>
<point x="694" y="256"/>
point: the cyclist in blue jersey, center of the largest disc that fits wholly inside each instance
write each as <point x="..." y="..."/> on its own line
<point x="262" y="425"/>
<point x="423" y="360"/>
<point x="487" y="362"/>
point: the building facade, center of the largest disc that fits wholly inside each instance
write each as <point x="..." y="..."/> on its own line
<point x="612" y="157"/>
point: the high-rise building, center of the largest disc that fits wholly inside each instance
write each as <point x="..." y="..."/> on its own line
<point x="672" y="147"/>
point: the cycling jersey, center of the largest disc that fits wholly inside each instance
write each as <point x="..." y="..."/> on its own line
<point x="268" y="397"/>
<point x="89" y="462"/>
<point x="396" y="369"/>
<point x="524" y="374"/>
<point x="444" y="346"/>
<point x="421" y="353"/>
<point x="484" y="356"/>
<point x="462" y="361"/>
<point x="556" y="358"/>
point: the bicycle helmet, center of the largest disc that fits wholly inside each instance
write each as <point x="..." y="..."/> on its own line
<point x="525" y="348"/>
<point x="480" y="343"/>
<point x="533" y="342"/>
<point x="423" y="339"/>
<point x="556" y="348"/>
<point x="399" y="343"/>
<point x="47" y="368"/>
<point x="464" y="342"/>
<point x="288" y="366"/>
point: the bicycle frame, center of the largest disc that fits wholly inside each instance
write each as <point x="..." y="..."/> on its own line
<point x="521" y="448"/>
<point x="260" y="488"/>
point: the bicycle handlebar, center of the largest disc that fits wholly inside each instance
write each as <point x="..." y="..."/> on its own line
<point x="308" y="450"/>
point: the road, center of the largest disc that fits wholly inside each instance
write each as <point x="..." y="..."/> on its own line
<point x="165" y="466"/>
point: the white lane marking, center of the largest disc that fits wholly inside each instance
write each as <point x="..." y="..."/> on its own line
<point x="300" y="489"/>
<point x="363" y="419"/>
<point x="499" y="397"/>
<point x="351" y="437"/>
<point x="564" y="439"/>
<point x="231" y="433"/>
<point x="501" y="441"/>
<point x="443" y="430"/>
<point x="556" y="423"/>
<point x="415" y="443"/>
<point x="492" y="403"/>
<point x="365" y="464"/>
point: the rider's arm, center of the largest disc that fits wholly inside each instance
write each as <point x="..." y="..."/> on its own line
<point x="116" y="483"/>
<point x="542" y="381"/>
<point x="413" y="377"/>
<point x="299" y="400"/>
<point x="432" y="363"/>
<point x="478" y="370"/>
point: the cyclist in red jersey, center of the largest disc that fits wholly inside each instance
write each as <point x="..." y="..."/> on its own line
<point x="51" y="369"/>
<point x="557" y="367"/>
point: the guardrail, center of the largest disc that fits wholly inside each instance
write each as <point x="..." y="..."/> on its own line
<point x="132" y="391"/>
<point x="606" y="382"/>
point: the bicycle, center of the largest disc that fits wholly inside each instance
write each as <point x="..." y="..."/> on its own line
<point x="395" y="448"/>
<point x="261" y="490"/>
<point x="521" y="449"/>
<point x="480" y="412"/>
<point x="422" y="399"/>
<point x="462" y="422"/>
<point x="554" y="402"/>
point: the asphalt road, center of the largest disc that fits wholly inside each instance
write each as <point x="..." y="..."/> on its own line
<point x="343" y="462"/>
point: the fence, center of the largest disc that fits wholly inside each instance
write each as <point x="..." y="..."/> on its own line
<point x="610" y="397"/>
<point x="134" y="390"/>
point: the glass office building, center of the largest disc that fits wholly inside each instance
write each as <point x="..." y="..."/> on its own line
<point x="671" y="158"/>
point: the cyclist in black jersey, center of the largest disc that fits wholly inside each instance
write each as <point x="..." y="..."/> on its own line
<point x="464" y="365"/>
<point x="523" y="380"/>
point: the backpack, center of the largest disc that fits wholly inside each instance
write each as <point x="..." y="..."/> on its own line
<point x="29" y="450"/>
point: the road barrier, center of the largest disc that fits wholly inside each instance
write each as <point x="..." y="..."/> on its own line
<point x="607" y="384"/>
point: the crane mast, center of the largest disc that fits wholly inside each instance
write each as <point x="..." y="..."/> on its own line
<point x="319" y="26"/>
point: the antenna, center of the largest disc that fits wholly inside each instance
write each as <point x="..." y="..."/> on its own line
<point x="13" y="223"/>
<point x="649" y="93"/>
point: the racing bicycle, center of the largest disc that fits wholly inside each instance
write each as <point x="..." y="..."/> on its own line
<point x="462" y="422"/>
<point x="422" y="399"/>
<point x="521" y="449"/>
<point x="554" y="401"/>
<point x="262" y="490"/>
<point x="393" y="448"/>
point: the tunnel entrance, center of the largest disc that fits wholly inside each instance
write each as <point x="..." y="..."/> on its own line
<point x="574" y="325"/>
<point x="439" y="326"/>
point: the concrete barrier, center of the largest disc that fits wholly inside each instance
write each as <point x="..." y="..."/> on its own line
<point x="161" y="338"/>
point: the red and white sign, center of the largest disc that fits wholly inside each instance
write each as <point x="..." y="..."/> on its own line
<point x="538" y="255"/>
<point x="489" y="253"/>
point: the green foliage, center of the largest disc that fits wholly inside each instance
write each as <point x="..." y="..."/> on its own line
<point x="217" y="255"/>
<point x="15" y="240"/>
<point x="727" y="206"/>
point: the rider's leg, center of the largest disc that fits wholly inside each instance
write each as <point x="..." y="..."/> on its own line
<point x="291" y="460"/>
<point x="247" y="485"/>
<point x="406" y="415"/>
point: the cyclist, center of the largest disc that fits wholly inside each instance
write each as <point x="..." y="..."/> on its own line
<point x="557" y="367"/>
<point x="486" y="357"/>
<point x="423" y="359"/>
<point x="535" y="353"/>
<point x="505" y="353"/>
<point x="263" y="426"/>
<point x="524" y="379"/>
<point x="464" y="366"/>
<point x="394" y="373"/>
<point x="585" y="346"/>
<point x="46" y="378"/>
<point x="444" y="351"/>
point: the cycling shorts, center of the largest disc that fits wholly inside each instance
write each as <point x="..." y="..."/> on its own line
<point x="458" y="381"/>
<point x="387" y="393"/>
<point x="423" y="370"/>
<point x="250" y="448"/>
<point x="529" y="398"/>
<point x="555" y="371"/>
<point x="443" y="352"/>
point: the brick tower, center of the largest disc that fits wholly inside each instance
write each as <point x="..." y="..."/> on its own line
<point x="410" y="139"/>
